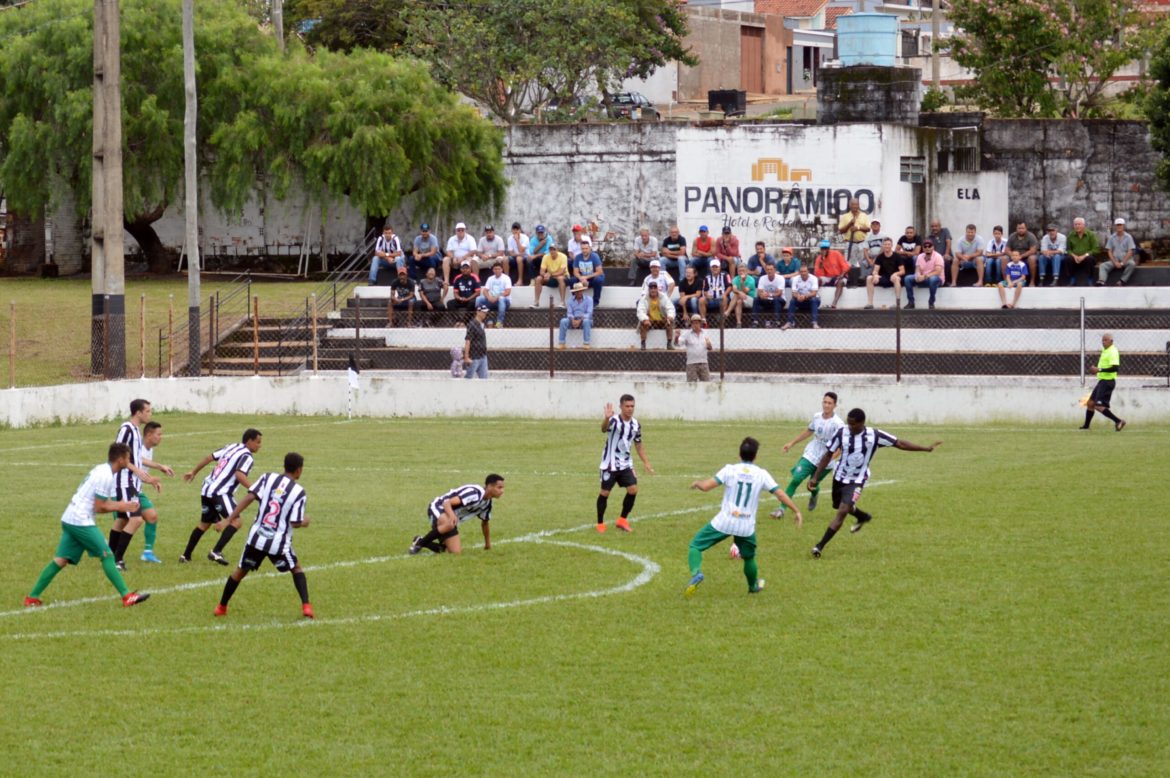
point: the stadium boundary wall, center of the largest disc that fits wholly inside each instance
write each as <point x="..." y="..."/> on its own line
<point x="918" y="400"/>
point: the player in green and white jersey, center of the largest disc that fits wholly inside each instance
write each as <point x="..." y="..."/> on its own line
<point x="743" y="484"/>
<point x="821" y="429"/>
<point x="79" y="532"/>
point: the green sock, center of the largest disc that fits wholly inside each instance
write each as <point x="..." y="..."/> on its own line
<point x="148" y="534"/>
<point x="751" y="571"/>
<point x="790" y="490"/>
<point x="694" y="559"/>
<point x="111" y="568"/>
<point x="46" y="577"/>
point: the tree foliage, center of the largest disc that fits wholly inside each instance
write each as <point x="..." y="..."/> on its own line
<point x="365" y="126"/>
<point x="1045" y="57"/>
<point x="515" y="56"/>
<point x="345" y="25"/>
<point x="1158" y="109"/>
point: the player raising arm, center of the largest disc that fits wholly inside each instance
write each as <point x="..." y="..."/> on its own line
<point x="617" y="467"/>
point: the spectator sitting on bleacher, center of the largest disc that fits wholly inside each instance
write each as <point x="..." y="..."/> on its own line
<point x="1082" y="245"/>
<point x="1023" y="241"/>
<point x="496" y="293"/>
<point x="1119" y="251"/>
<point x="874" y="244"/>
<point x="460" y="247"/>
<point x="716" y="289"/>
<point x="573" y="247"/>
<point x="788" y="267"/>
<point x="888" y="271"/>
<point x="805" y="295"/>
<point x="387" y="253"/>
<point x="673" y="252"/>
<point x="690" y="289"/>
<point x="995" y="256"/>
<point x="770" y="295"/>
<point x="908" y="247"/>
<point x="831" y="269"/>
<point x="659" y="276"/>
<point x="940" y="236"/>
<point x="1053" y="247"/>
<point x="432" y="290"/>
<point x="464" y="290"/>
<point x="587" y="269"/>
<point x="655" y="312"/>
<point x="490" y="249"/>
<point x="578" y="315"/>
<point x="1015" y="276"/>
<point x="968" y="255"/>
<point x="554" y="271"/>
<point x="645" y="252"/>
<point x="928" y="271"/>
<point x="539" y="245"/>
<point x="727" y="250"/>
<point x="759" y="260"/>
<point x="517" y="251"/>
<point x="426" y="252"/>
<point x="402" y="297"/>
<point x="702" y="250"/>
<point x="743" y="294"/>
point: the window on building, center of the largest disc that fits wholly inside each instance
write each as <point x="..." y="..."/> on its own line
<point x="912" y="169"/>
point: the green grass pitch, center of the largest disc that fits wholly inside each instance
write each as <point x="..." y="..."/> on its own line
<point x="1006" y="613"/>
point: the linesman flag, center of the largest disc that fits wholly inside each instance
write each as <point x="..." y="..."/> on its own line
<point x="352" y="373"/>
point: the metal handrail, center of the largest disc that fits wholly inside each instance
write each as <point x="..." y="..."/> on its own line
<point x="232" y="305"/>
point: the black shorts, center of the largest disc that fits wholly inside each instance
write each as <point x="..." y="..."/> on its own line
<point x="212" y="509"/>
<point x="442" y="535"/>
<point x="623" y="478"/>
<point x="849" y="494"/>
<point x="1103" y="392"/>
<point x="252" y="557"/>
<point x="122" y="494"/>
<point x="885" y="280"/>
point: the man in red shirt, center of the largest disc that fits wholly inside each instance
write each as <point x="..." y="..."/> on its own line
<point x="702" y="249"/>
<point x="831" y="269"/>
<point x="727" y="251"/>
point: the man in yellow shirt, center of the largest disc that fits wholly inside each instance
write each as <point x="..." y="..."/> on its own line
<point x="854" y="227"/>
<point x="1106" y="370"/>
<point x="554" y="271"/>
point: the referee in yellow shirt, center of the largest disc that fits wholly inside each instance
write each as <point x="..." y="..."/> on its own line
<point x="1106" y="371"/>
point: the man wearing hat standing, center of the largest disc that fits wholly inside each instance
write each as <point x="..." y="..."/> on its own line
<point x="1119" y="251"/>
<point x="578" y="316"/>
<point x="645" y="251"/>
<point x="697" y="344"/>
<point x="425" y="254"/>
<point x="831" y="269"/>
<point x="587" y="269"/>
<point x="475" y="359"/>
<point x="461" y="247"/>
<point x="554" y="271"/>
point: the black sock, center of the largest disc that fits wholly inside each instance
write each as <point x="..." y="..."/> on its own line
<point x="1108" y="414"/>
<point x="116" y="542"/>
<point x="229" y="589"/>
<point x="435" y="545"/>
<point x="225" y="538"/>
<point x="193" y="541"/>
<point x="829" y="533"/>
<point x="302" y="586"/>
<point x="430" y="540"/>
<point x="628" y="504"/>
<point x="861" y="515"/>
<point x="602" y="501"/>
<point x="123" y="544"/>
<point x="1088" y="418"/>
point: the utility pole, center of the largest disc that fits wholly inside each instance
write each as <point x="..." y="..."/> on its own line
<point x="191" y="181"/>
<point x="935" y="23"/>
<point x="108" y="348"/>
<point x="278" y="22"/>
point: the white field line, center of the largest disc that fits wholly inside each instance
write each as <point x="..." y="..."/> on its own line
<point x="650" y="569"/>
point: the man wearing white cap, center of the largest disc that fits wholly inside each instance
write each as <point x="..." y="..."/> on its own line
<point x="460" y="247"/>
<point x="1120" y="251"/>
<point x="659" y="277"/>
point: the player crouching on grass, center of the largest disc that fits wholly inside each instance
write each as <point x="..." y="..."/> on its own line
<point x="79" y="532"/>
<point x="282" y="508"/>
<point x="743" y="484"/>
<point x="857" y="444"/>
<point x="447" y="511"/>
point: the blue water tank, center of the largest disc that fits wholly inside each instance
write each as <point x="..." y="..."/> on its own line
<point x="867" y="39"/>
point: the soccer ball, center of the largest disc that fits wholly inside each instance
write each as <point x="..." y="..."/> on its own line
<point x="733" y="552"/>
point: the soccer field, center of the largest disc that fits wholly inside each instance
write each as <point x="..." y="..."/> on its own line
<point x="1005" y="613"/>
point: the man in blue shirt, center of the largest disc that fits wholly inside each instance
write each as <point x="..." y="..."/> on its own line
<point x="578" y="315"/>
<point x="587" y="269"/>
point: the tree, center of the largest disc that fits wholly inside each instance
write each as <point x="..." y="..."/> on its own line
<point x="369" y="126"/>
<point x="345" y="25"/>
<point x="1050" y="58"/>
<point x="515" y="56"/>
<point x="1158" y="109"/>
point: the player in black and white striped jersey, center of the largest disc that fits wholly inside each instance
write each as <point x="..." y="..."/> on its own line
<point x="128" y="487"/>
<point x="217" y="498"/>
<point x="617" y="466"/>
<point x="282" y="509"/>
<point x="450" y="509"/>
<point x="857" y="444"/>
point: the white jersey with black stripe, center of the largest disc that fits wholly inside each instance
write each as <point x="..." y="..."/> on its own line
<point x="232" y="458"/>
<point x="128" y="484"/>
<point x="282" y="505"/>
<point x="857" y="451"/>
<point x="620" y="436"/>
<point x="473" y="501"/>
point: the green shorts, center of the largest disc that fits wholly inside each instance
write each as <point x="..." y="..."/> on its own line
<point x="803" y="469"/>
<point x="77" y="540"/>
<point x="709" y="536"/>
<point x="144" y="503"/>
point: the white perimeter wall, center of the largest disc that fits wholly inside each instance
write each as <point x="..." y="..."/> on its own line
<point x="914" y="401"/>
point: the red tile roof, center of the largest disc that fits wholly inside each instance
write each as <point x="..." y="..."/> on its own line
<point x="831" y="15"/>
<point x="790" y="7"/>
